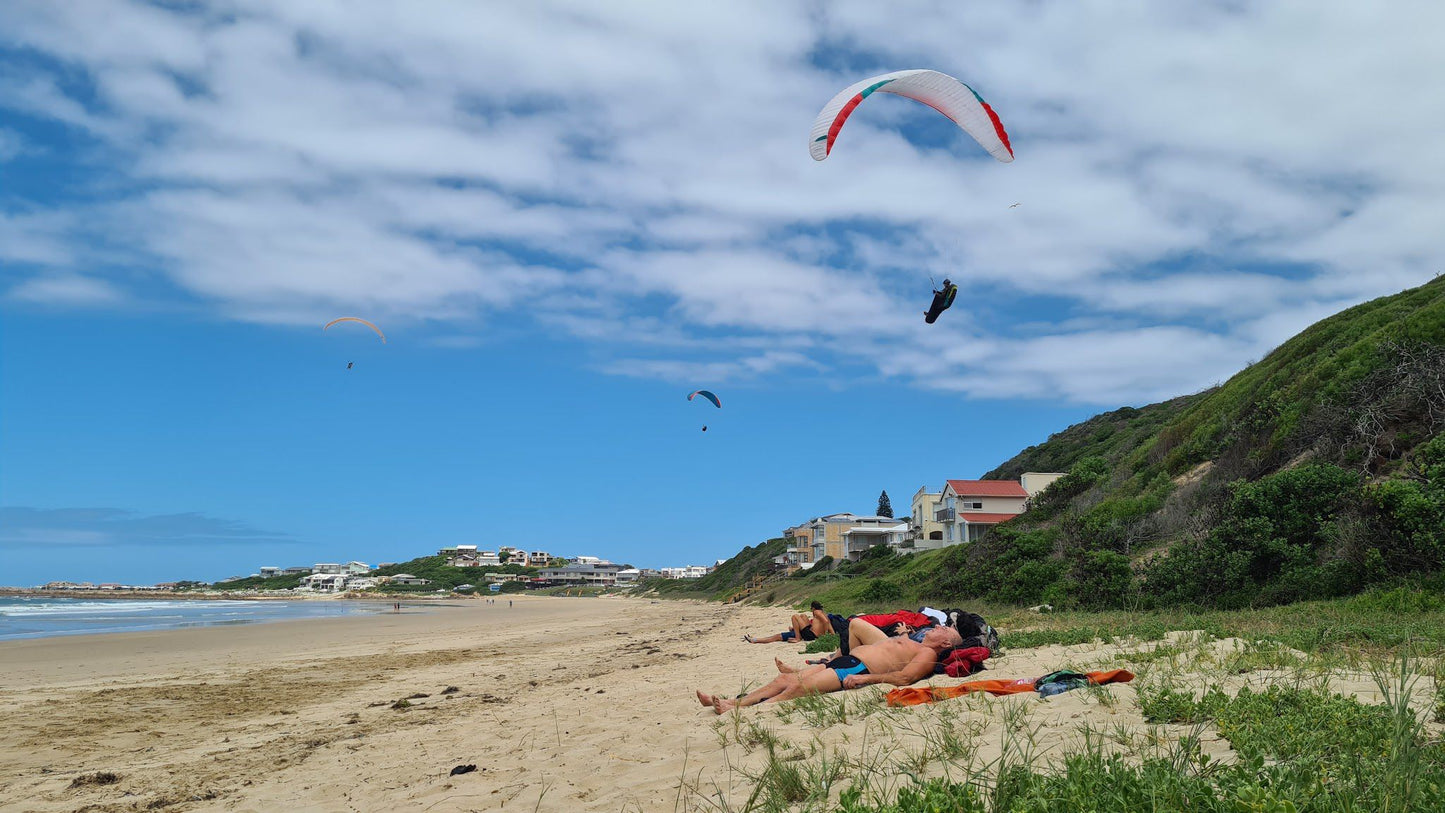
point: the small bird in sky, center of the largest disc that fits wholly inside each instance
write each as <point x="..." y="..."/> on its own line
<point x="1015" y="206"/>
<point x="348" y="364"/>
<point x="704" y="429"/>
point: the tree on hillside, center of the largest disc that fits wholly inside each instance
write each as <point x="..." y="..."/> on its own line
<point x="885" y="508"/>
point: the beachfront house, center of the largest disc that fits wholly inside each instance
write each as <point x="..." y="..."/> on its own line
<point x="356" y="568"/>
<point x="269" y="572"/>
<point x="325" y="582"/>
<point x="800" y="545"/>
<point x="327" y="567"/>
<point x="686" y="572"/>
<point x="927" y="532"/>
<point x="407" y="578"/>
<point x="475" y="559"/>
<point x="539" y="558"/>
<point x="628" y="576"/>
<point x="591" y="574"/>
<point x="457" y="550"/>
<point x="827" y="532"/>
<point x="362" y="583"/>
<point x="856" y="541"/>
<point x="296" y="571"/>
<point x="969" y="508"/>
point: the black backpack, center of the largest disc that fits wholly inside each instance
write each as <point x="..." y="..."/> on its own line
<point x="975" y="631"/>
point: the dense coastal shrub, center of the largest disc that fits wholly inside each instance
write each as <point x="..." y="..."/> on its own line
<point x="1100" y="579"/>
<point x="881" y="591"/>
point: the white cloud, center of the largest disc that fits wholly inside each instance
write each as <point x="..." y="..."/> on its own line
<point x="1190" y="177"/>
<point x="69" y="290"/>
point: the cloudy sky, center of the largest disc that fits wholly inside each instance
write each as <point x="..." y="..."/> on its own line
<point x="567" y="215"/>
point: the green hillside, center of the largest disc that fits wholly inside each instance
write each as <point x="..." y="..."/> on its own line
<point x="1318" y="471"/>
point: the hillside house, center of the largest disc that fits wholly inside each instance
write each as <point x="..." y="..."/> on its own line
<point x="857" y="541"/>
<point x="926" y="531"/>
<point x="969" y="508"/>
<point x="827" y="532"/>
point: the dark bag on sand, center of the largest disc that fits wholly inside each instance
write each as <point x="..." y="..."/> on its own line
<point x="975" y="631"/>
<point x="840" y="626"/>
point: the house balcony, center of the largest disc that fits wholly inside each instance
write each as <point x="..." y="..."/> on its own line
<point x="945" y="515"/>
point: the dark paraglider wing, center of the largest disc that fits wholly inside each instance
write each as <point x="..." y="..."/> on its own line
<point x="709" y="396"/>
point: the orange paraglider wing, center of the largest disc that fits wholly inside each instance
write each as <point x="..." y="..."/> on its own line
<point x="357" y="319"/>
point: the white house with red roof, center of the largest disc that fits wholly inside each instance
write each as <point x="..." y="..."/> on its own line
<point x="967" y="509"/>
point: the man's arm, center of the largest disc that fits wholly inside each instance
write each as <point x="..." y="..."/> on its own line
<point x="915" y="670"/>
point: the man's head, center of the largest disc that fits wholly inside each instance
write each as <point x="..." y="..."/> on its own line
<point x="941" y="638"/>
<point x="817" y="605"/>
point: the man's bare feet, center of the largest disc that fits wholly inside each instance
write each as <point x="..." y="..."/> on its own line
<point x="783" y="667"/>
<point x="722" y="706"/>
<point x="705" y="699"/>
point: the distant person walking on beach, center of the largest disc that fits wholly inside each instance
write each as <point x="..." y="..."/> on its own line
<point x="898" y="661"/>
<point x="806" y="627"/>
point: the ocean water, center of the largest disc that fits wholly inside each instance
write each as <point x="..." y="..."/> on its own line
<point x="41" y="617"/>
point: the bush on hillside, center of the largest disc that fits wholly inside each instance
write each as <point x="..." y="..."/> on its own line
<point x="1275" y="541"/>
<point x="881" y="591"/>
<point x="1100" y="579"/>
<point x="1083" y="476"/>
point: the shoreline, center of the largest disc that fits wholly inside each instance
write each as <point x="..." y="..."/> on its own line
<point x="562" y="703"/>
<point x="22" y="592"/>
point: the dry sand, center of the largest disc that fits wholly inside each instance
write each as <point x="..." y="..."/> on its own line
<point x="562" y="704"/>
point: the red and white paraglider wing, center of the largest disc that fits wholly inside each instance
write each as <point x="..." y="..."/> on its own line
<point x="939" y="91"/>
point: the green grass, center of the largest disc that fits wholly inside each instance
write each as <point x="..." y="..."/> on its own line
<point x="1294" y="745"/>
<point x="1371" y="623"/>
<point x="1299" y="750"/>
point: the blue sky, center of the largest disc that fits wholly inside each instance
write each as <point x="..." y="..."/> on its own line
<point x="566" y="216"/>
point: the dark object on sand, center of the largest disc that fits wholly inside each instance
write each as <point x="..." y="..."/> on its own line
<point x="100" y="778"/>
<point x="463" y="769"/>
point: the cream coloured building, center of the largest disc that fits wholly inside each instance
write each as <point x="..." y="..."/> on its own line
<point x="1036" y="481"/>
<point x="800" y="544"/>
<point x="827" y="532"/>
<point x="927" y="533"/>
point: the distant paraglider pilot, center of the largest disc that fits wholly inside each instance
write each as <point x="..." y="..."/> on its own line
<point x="348" y="364"/>
<point x="942" y="299"/>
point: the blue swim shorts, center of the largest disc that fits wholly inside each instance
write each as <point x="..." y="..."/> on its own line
<point x="845" y="665"/>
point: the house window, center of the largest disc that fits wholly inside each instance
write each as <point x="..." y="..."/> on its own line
<point x="977" y="506"/>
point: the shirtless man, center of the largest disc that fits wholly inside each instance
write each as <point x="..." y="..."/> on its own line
<point x="806" y="627"/>
<point x="899" y="661"/>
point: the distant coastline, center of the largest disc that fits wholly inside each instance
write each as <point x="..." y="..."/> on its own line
<point x="198" y="595"/>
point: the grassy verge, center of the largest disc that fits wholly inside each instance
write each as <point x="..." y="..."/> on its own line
<point x="1260" y="727"/>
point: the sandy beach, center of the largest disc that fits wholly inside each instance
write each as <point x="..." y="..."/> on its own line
<point x="562" y="704"/>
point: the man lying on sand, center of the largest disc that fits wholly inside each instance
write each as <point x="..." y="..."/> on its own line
<point x="806" y="626"/>
<point x="899" y="661"/>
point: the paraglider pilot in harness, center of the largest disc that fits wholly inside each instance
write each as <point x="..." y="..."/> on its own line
<point x="942" y="298"/>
